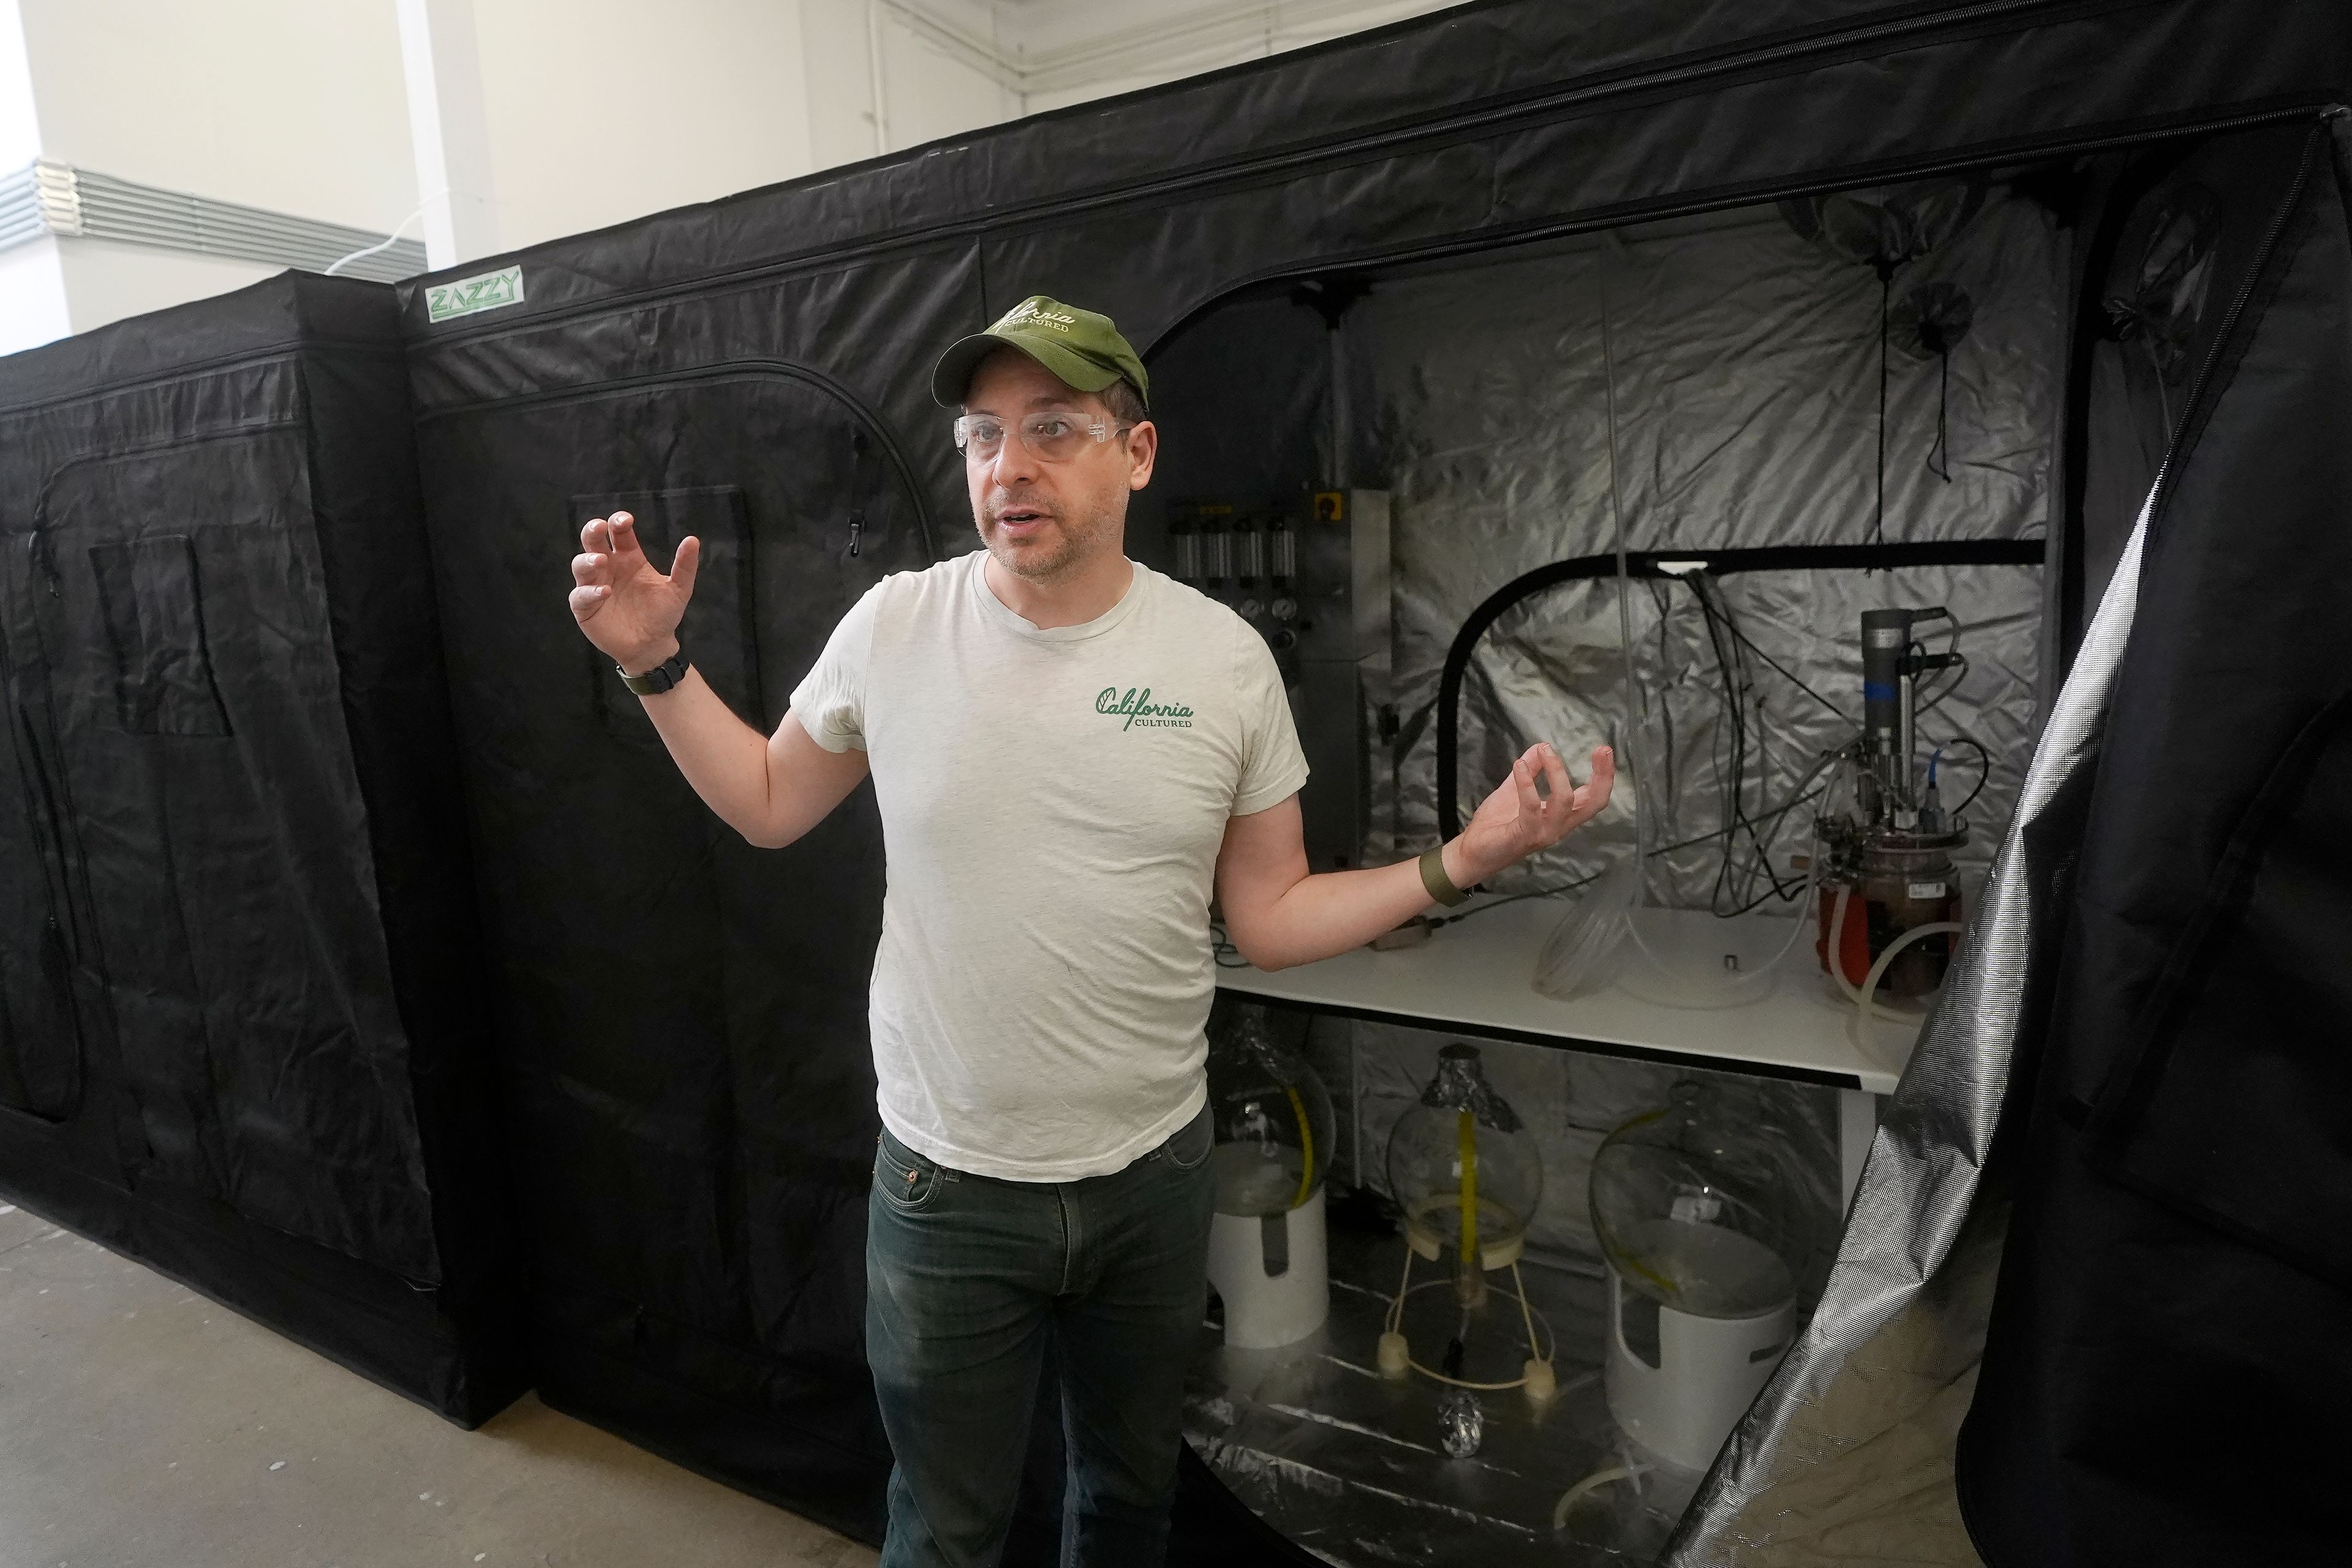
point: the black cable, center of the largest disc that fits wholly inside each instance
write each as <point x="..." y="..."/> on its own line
<point x="1659" y="598"/>
<point x="1885" y="298"/>
<point x="1732" y="881"/>
<point x="1433" y="921"/>
<point x="1787" y="674"/>
<point x="1699" y="839"/>
<point x="1940" y="455"/>
<point x="1730" y="737"/>
<point x="1733" y="770"/>
<point x="1436" y="921"/>
<point x="1959" y="673"/>
<point x="1459" y="654"/>
<point x="1984" y="771"/>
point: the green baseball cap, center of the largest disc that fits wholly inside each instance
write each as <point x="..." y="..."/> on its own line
<point x="1082" y="347"/>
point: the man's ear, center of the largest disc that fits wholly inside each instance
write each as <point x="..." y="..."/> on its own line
<point x="1142" y="453"/>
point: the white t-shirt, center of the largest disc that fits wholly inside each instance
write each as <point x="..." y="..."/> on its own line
<point x="1053" y="801"/>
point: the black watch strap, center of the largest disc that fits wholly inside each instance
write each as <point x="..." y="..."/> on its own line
<point x="659" y="679"/>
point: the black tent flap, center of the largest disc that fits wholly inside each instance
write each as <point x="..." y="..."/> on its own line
<point x="244" y="1036"/>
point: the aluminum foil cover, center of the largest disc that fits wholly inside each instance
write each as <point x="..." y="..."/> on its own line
<point x="1847" y="1454"/>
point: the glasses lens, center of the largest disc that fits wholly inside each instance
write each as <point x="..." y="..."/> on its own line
<point x="978" y="435"/>
<point x="1055" y="438"/>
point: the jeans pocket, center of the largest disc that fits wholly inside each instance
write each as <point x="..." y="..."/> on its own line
<point x="1188" y="1145"/>
<point x="907" y="1181"/>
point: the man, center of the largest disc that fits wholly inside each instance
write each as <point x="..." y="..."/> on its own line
<point x="1068" y="750"/>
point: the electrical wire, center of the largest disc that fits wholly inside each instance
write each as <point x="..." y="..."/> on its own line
<point x="389" y="240"/>
<point x="1786" y="673"/>
<point x="1772" y="813"/>
<point x="1737" y="884"/>
<point x="1886" y="306"/>
<point x="1436" y="921"/>
<point x="1984" y="769"/>
<point x="1959" y="673"/>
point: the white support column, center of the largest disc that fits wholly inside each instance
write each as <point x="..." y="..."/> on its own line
<point x="32" y="276"/>
<point x="450" y="129"/>
<point x="1857" y="1125"/>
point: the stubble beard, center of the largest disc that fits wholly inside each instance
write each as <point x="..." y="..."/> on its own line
<point x="1073" y="536"/>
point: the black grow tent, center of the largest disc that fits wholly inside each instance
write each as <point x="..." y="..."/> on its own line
<point x="683" y="1017"/>
<point x="242" y="1034"/>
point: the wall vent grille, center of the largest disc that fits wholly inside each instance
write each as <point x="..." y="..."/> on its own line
<point x="47" y="197"/>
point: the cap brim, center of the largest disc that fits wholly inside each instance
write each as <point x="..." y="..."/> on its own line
<point x="953" y="375"/>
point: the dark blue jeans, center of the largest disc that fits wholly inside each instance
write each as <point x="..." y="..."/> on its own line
<point x="966" y="1277"/>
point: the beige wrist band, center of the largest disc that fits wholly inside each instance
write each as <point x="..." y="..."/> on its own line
<point x="1434" y="878"/>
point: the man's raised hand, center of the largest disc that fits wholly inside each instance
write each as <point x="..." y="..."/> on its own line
<point x="1517" y="819"/>
<point x="625" y="607"/>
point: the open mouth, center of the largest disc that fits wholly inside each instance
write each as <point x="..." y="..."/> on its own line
<point x="1020" y="522"/>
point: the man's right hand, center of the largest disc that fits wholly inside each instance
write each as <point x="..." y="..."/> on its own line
<point x="623" y="605"/>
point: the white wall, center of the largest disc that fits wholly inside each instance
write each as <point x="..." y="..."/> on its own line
<point x="601" y="110"/>
<point x="927" y="88"/>
<point x="20" y="131"/>
<point x="293" y="105"/>
<point x="32" y="296"/>
<point x="840" y="97"/>
<point x="930" y="90"/>
<point x="1073" y="51"/>
<point x="951" y="65"/>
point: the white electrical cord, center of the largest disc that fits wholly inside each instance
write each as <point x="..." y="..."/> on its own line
<point x="389" y="240"/>
<point x="1591" y="1484"/>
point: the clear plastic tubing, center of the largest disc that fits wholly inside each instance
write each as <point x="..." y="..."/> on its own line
<point x="1751" y="982"/>
<point x="1863" y="1004"/>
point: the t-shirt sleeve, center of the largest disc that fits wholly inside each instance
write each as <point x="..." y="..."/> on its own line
<point x="1273" y="765"/>
<point x="830" y="700"/>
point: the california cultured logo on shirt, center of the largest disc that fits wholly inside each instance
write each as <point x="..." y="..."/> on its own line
<point x="1137" y="708"/>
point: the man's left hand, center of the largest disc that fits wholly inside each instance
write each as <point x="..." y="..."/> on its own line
<point x="1517" y="819"/>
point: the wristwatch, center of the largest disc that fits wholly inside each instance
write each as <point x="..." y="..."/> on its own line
<point x="659" y="679"/>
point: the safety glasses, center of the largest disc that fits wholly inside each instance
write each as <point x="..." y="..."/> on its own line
<point x="1052" y="436"/>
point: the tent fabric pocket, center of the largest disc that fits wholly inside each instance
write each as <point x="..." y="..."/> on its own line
<point x="163" y="675"/>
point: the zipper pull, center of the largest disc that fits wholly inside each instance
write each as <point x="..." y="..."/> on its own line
<point x="37" y="556"/>
<point x="858" y="445"/>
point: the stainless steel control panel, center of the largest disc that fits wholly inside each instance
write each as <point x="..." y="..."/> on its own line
<point x="1311" y="574"/>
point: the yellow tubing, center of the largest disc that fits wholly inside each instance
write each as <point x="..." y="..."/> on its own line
<point x="1306" y="1144"/>
<point x="1467" y="1137"/>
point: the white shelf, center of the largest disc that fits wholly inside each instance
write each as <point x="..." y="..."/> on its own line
<point x="1476" y="977"/>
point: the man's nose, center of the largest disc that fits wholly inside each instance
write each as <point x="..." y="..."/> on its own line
<point x="1013" y="463"/>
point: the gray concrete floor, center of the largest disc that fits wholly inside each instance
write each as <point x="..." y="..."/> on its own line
<point x="145" y="1427"/>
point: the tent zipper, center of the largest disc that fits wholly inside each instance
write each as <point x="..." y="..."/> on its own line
<point x="243" y="359"/>
<point x="1733" y="59"/>
<point x="42" y="782"/>
<point x="1754" y="195"/>
<point x="784" y="370"/>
